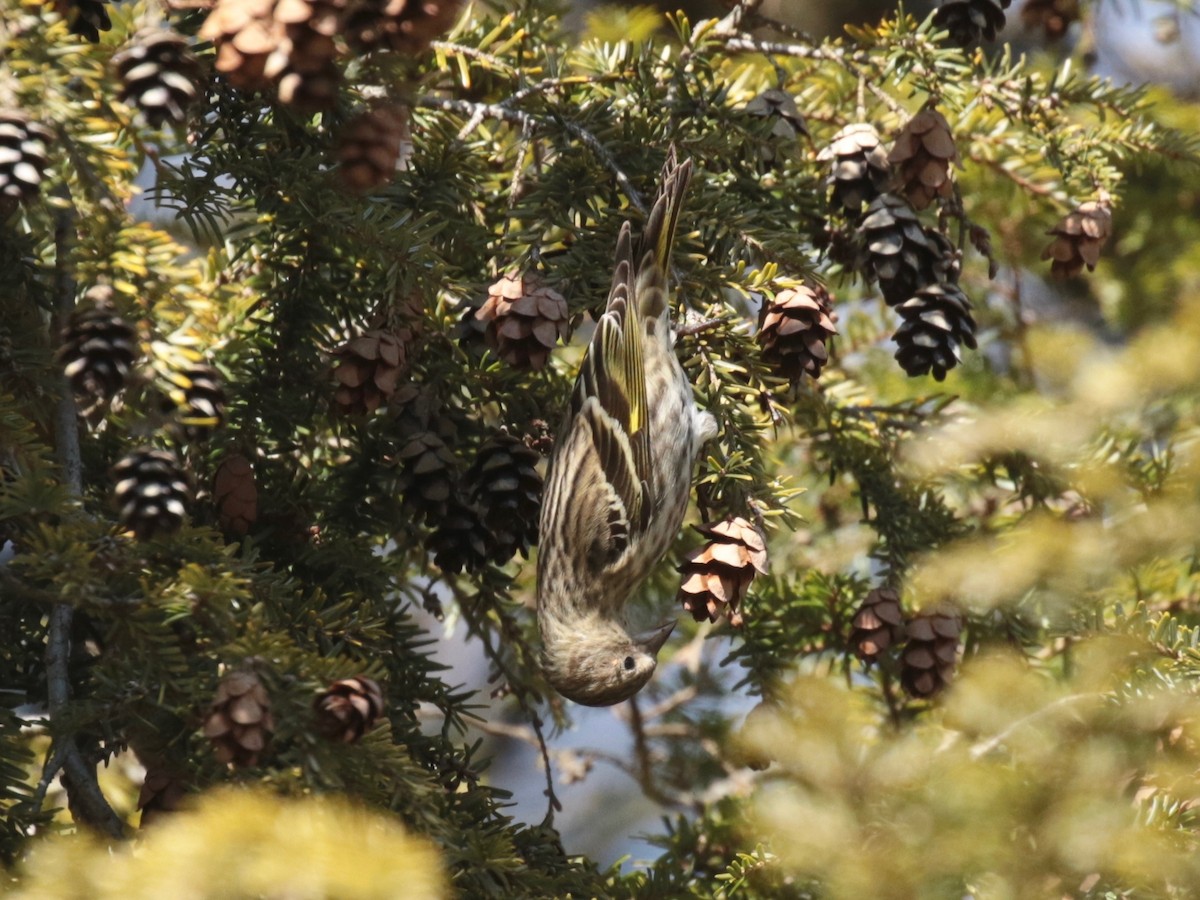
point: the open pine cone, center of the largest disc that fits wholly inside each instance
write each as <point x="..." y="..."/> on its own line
<point x="1078" y="239"/>
<point x="239" y="721"/>
<point x="349" y="708"/>
<point x="717" y="575"/>
<point x="524" y="319"/>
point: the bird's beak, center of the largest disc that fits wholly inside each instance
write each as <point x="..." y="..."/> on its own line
<point x="653" y="639"/>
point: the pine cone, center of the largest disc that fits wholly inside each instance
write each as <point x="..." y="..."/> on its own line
<point x="99" y="347"/>
<point x="159" y="75"/>
<point x="877" y="624"/>
<point x="372" y="143"/>
<point x="795" y="328"/>
<point x="162" y="793"/>
<point x="1078" y="239"/>
<point x="859" y="170"/>
<point x="924" y="151"/>
<point x="239" y="721"/>
<point x="427" y="476"/>
<point x="85" y="17"/>
<point x="461" y="540"/>
<point x="928" y="660"/>
<point x="370" y="368"/>
<point x="937" y="320"/>
<point x="416" y="408"/>
<point x="235" y="494"/>
<point x="24" y="156"/>
<point x="247" y="36"/>
<point x="901" y="254"/>
<point x="198" y="396"/>
<point x="524" y="319"/>
<point x="716" y="576"/>
<point x="505" y="484"/>
<point x="970" y="21"/>
<point x="1054" y="17"/>
<point x="151" y="492"/>
<point x="310" y="78"/>
<point x="779" y="108"/>
<point x="405" y="26"/>
<point x="349" y="708"/>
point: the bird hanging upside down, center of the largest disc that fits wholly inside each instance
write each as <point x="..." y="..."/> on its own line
<point x="620" y="474"/>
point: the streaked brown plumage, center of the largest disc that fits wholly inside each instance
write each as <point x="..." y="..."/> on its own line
<point x="621" y="472"/>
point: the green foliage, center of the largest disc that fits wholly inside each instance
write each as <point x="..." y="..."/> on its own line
<point x="1046" y="491"/>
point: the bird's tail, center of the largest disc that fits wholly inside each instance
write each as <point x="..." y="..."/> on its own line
<point x="651" y="257"/>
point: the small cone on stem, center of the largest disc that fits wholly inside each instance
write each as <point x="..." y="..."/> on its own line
<point x="930" y="656"/>
<point x="349" y="708"/>
<point x="717" y="575"/>
<point x="239" y="722"/>
<point x="1078" y="238"/>
<point x="524" y="319"/>
<point x="878" y="624"/>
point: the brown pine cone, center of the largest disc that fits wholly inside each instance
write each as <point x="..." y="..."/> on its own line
<point x="309" y="79"/>
<point x="1078" y="239"/>
<point x="24" y="155"/>
<point x="371" y="145"/>
<point x="349" y="708"/>
<point x="937" y="322"/>
<point x="427" y="474"/>
<point x="924" y="151"/>
<point x="504" y="482"/>
<point x="461" y="540"/>
<point x="900" y="253"/>
<point x="235" y="494"/>
<point x="877" y="624"/>
<point x="239" y="721"/>
<point x="99" y="347"/>
<point x="369" y="369"/>
<point x="716" y="576"/>
<point x="524" y="319"/>
<point x="161" y="794"/>
<point x="795" y="329"/>
<point x="151" y="492"/>
<point x="159" y="75"/>
<point x="248" y="38"/>
<point x="858" y="167"/>
<point x="931" y="654"/>
<point x="405" y="26"/>
<point x="777" y="107"/>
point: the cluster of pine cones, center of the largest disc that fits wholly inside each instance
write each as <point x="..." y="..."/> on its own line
<point x="98" y="351"/>
<point x="927" y="641"/>
<point x="878" y="193"/>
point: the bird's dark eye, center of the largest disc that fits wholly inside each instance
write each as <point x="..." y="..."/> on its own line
<point x="629" y="664"/>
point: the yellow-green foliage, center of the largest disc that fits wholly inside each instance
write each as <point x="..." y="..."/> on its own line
<point x="244" y="843"/>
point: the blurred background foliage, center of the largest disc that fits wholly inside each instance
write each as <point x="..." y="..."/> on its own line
<point x="971" y="667"/>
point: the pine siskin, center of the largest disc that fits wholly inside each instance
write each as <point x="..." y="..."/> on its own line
<point x="621" y="473"/>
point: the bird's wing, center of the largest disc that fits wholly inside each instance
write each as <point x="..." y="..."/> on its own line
<point x="609" y="402"/>
<point x="611" y="393"/>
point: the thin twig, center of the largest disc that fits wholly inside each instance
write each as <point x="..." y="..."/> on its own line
<point x="641" y="751"/>
<point x="593" y="143"/>
<point x="465" y="605"/>
<point x="983" y="748"/>
<point x="485" y="110"/>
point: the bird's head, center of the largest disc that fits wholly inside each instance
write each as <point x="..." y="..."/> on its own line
<point x="598" y="663"/>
